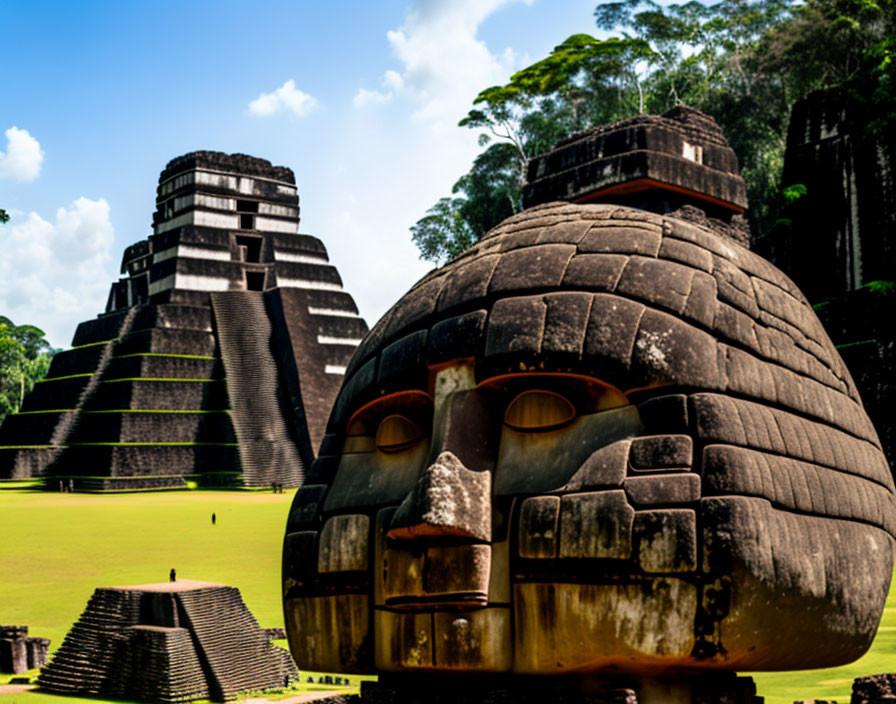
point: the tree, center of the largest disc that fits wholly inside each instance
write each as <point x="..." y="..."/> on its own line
<point x="25" y="358"/>
<point x="4" y="216"/>
<point x="582" y="83"/>
<point x="744" y="62"/>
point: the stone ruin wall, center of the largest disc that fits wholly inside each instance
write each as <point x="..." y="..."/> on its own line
<point x="842" y="238"/>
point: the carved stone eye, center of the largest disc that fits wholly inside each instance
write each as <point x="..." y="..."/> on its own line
<point x="396" y="433"/>
<point x="538" y="410"/>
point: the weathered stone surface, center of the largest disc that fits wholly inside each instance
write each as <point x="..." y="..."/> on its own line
<point x="474" y="640"/>
<point x="565" y="324"/>
<point x="596" y="525"/>
<point x="448" y="499"/>
<point x="605" y="467"/>
<point x="661" y="451"/>
<point x="515" y="326"/>
<point x="402" y="641"/>
<point x="458" y="569"/>
<point x="638" y="452"/>
<point x="594" y="272"/>
<point x="305" y="506"/>
<point x="146" y="643"/>
<point x="539" y="267"/>
<point x="795" y="562"/>
<point x="661" y="283"/>
<point x="343" y="544"/>
<point x="612" y="329"/>
<point x="456" y="338"/>
<point x="621" y="240"/>
<point x="539" y="527"/>
<point x="873" y="689"/>
<point x="663" y="489"/>
<point x="666" y="540"/>
<point x="665" y="414"/>
<point x="649" y="622"/>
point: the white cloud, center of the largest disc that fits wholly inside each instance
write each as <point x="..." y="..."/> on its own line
<point x="55" y="275"/>
<point x="23" y="156"/>
<point x="444" y="64"/>
<point x="370" y="97"/>
<point x="286" y="98"/>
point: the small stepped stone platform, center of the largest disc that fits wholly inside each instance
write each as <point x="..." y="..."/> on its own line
<point x="168" y="642"/>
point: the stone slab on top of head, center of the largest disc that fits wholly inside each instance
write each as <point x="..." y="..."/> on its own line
<point x="601" y="439"/>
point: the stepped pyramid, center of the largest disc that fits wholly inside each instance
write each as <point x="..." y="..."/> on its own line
<point x="168" y="642"/>
<point x="219" y="354"/>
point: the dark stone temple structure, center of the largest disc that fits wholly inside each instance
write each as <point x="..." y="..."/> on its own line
<point x="219" y="354"/>
<point x="170" y="642"/>
<point x="20" y="652"/>
<point x="841" y="246"/>
<point x="608" y="453"/>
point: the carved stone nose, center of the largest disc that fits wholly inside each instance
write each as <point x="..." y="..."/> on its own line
<point x="448" y="500"/>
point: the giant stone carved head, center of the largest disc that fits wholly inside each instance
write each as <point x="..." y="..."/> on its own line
<point x="601" y="439"/>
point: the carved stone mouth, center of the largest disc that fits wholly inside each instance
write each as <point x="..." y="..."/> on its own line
<point x="456" y="600"/>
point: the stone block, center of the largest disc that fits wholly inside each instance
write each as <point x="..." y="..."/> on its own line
<point x="605" y="467"/>
<point x="666" y="540"/>
<point x="702" y="302"/>
<point x="612" y="328"/>
<point x="459" y="337"/>
<point x="568" y="628"/>
<point x="467" y="427"/>
<point x="658" y="489"/>
<point x="515" y="327"/>
<point x="473" y="641"/>
<point x="401" y="362"/>
<point x="402" y="573"/>
<point x="329" y="633"/>
<point x="795" y="562"/>
<point x="594" y="272"/>
<point x="299" y="558"/>
<point x="660" y="451"/>
<point x="596" y="524"/>
<point x="537" y="267"/>
<point x="402" y="641"/>
<point x="566" y="321"/>
<point x="669" y="351"/>
<point x="656" y="281"/>
<point x="343" y="544"/>
<point x="457" y="570"/>
<point x="685" y="252"/>
<point x="665" y="414"/>
<point x="539" y="527"/>
<point x="469" y="282"/>
<point x="622" y="240"/>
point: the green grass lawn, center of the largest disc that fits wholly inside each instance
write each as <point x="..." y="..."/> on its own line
<point x="55" y="549"/>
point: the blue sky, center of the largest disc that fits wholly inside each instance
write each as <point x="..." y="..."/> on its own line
<point x="360" y="99"/>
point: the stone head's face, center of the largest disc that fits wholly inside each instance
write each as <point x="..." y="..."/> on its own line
<point x="599" y="439"/>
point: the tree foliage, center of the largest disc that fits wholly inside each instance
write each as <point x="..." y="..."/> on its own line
<point x="745" y="62"/>
<point x="4" y="216"/>
<point x="25" y="358"/>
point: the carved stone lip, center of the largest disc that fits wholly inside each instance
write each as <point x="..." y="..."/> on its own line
<point x="454" y="600"/>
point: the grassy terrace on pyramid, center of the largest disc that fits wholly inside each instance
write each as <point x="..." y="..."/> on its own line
<point x="218" y="356"/>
